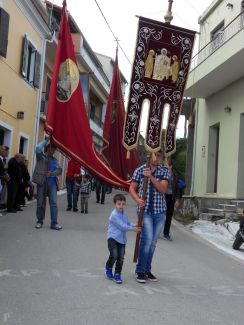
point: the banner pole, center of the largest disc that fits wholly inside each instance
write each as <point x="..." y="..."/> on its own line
<point x="168" y="16"/>
<point x="140" y="220"/>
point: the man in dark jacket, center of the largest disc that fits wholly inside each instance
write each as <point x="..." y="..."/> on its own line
<point x="172" y="197"/>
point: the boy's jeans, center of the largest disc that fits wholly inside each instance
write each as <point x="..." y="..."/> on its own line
<point x="117" y="253"/>
<point x="72" y="193"/>
<point x="152" y="227"/>
<point x="52" y="195"/>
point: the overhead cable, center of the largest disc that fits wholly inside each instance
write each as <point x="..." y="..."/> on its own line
<point x="116" y="39"/>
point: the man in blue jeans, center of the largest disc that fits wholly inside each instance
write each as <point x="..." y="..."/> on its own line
<point x="45" y="176"/>
<point x="154" y="211"/>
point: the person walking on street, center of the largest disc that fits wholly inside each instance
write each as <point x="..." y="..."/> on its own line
<point x="73" y="177"/>
<point x="100" y="191"/>
<point x="45" y="176"/>
<point x="85" y="192"/>
<point x="172" y="197"/>
<point x="116" y="235"/>
<point x="154" y="211"/>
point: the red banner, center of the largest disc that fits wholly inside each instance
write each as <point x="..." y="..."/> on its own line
<point x="66" y="119"/>
<point x="114" y="151"/>
<point x="160" y="69"/>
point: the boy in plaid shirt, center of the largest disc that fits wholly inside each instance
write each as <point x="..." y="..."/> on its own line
<point x="85" y="191"/>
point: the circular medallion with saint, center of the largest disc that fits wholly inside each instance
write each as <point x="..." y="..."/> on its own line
<point x="68" y="80"/>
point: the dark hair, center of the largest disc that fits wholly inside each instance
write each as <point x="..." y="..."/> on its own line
<point x="119" y="197"/>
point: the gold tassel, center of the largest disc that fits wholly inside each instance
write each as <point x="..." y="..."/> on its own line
<point x="128" y="154"/>
<point x="153" y="156"/>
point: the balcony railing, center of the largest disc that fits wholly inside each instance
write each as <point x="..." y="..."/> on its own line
<point x="228" y="32"/>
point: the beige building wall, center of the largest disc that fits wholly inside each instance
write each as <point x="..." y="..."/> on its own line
<point x="17" y="94"/>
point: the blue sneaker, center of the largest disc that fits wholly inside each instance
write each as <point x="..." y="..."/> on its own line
<point x="168" y="237"/>
<point x="109" y="273"/>
<point x="117" y="278"/>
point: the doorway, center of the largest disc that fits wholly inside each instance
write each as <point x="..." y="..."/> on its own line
<point x="213" y="157"/>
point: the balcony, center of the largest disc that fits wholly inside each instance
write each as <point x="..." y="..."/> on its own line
<point x="219" y="63"/>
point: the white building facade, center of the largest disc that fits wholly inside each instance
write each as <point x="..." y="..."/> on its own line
<point x="216" y="80"/>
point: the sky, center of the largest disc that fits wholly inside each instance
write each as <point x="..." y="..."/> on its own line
<point x="122" y="20"/>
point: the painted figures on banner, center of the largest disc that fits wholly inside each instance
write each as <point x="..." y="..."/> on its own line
<point x="161" y="66"/>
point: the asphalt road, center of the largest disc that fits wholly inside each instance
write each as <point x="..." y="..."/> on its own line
<point x="49" y="277"/>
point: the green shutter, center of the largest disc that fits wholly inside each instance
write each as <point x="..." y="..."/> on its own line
<point x="4" y="26"/>
<point x="24" y="64"/>
<point x="37" y="70"/>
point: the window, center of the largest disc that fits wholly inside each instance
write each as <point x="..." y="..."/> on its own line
<point x="5" y="134"/>
<point x="4" y="26"/>
<point x="23" y="145"/>
<point x="84" y="79"/>
<point x="31" y="61"/>
<point x="217" y="37"/>
<point x="46" y="96"/>
<point x="92" y="111"/>
<point x="242" y="15"/>
<point x="213" y="158"/>
<point x="96" y="109"/>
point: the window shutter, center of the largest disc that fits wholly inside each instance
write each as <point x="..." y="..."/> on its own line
<point x="24" y="57"/>
<point x="37" y="70"/>
<point x="4" y="26"/>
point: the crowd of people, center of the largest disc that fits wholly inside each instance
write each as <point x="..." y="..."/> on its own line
<point x="15" y="181"/>
<point x="161" y="196"/>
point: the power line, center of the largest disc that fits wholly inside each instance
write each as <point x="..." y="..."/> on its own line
<point x="193" y="7"/>
<point x="116" y="39"/>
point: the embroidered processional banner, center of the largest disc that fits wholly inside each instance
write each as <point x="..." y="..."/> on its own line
<point x="66" y="118"/>
<point x="162" y="60"/>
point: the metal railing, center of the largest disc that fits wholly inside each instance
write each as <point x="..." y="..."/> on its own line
<point x="228" y="32"/>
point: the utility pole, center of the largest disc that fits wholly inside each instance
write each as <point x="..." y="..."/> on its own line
<point x="168" y="16"/>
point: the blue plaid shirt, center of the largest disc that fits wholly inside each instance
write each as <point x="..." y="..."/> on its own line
<point x="155" y="201"/>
